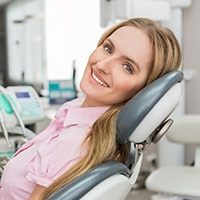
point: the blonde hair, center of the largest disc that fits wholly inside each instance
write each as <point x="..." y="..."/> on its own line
<point x="101" y="139"/>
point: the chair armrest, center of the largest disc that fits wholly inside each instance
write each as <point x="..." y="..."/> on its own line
<point x="185" y="129"/>
<point x="80" y="186"/>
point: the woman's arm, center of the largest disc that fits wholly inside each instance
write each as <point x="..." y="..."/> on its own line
<point x="36" y="194"/>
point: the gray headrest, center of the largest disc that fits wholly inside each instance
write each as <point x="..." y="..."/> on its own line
<point x="141" y="104"/>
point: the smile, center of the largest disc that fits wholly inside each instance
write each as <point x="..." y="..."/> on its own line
<point x="99" y="81"/>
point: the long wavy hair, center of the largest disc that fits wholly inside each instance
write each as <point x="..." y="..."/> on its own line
<point x="101" y="139"/>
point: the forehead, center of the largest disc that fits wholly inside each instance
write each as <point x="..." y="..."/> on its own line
<point x="134" y="43"/>
<point x="131" y="35"/>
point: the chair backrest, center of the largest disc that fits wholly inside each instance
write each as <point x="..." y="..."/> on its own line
<point x="140" y="121"/>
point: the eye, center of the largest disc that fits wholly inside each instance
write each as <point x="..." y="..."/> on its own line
<point x="108" y="48"/>
<point x="128" y="68"/>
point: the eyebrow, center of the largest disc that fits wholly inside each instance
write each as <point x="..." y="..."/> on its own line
<point x="125" y="57"/>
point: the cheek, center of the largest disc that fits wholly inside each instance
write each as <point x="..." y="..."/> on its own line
<point x="85" y="75"/>
<point x="84" y="86"/>
<point x="130" y="87"/>
<point x="124" y="89"/>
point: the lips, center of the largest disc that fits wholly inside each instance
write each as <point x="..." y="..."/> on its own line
<point x="99" y="80"/>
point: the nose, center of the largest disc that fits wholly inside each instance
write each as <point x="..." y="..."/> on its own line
<point x="104" y="65"/>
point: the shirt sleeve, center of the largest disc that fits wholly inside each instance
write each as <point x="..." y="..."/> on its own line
<point x="56" y="155"/>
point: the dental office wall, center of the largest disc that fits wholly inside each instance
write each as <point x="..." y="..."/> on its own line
<point x="191" y="53"/>
<point x="191" y="64"/>
<point x="73" y="37"/>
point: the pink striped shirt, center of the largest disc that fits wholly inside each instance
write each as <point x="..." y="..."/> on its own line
<point x="52" y="152"/>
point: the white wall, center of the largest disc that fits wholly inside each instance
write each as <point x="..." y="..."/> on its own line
<point x="72" y="32"/>
<point x="191" y="55"/>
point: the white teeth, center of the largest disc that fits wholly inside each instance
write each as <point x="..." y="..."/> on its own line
<point x="99" y="81"/>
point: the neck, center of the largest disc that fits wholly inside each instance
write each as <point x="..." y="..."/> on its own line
<point x="91" y="103"/>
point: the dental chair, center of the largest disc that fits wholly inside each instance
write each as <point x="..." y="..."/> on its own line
<point x="180" y="182"/>
<point x="143" y="120"/>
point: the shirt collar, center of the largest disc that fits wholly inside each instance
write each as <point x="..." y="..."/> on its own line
<point x="83" y="115"/>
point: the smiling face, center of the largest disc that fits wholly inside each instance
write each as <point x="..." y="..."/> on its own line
<point x="117" y="69"/>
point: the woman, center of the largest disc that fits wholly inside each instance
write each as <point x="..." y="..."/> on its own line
<point x="128" y="57"/>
